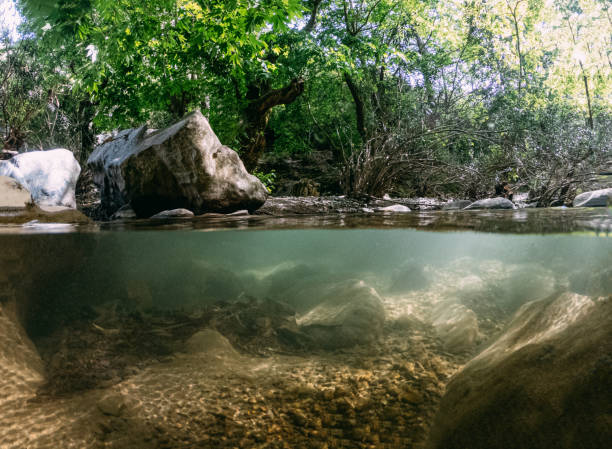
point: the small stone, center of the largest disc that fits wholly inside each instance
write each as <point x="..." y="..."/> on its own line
<point x="298" y="417"/>
<point x="411" y="396"/>
<point x="112" y="405"/>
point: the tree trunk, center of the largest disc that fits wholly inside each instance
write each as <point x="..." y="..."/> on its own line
<point x="359" y="106"/>
<point x="314" y="10"/>
<point x="178" y="105"/>
<point x="257" y="115"/>
<point x="518" y="47"/>
<point x="86" y="113"/>
<point x="588" y="96"/>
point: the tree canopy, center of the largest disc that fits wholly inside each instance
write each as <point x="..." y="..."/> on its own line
<point x="419" y="95"/>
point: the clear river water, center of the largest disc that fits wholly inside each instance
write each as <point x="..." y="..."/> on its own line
<point x="308" y="332"/>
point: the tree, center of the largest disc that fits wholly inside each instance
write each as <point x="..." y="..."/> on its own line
<point x="169" y="56"/>
<point x="420" y="97"/>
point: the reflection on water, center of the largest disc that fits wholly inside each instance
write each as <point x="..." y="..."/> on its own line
<point x="264" y="338"/>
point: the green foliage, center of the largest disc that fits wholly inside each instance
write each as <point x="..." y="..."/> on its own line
<point x="421" y="96"/>
<point x="267" y="179"/>
<point x="37" y="106"/>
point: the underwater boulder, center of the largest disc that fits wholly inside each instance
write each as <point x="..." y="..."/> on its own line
<point x="182" y="166"/>
<point x="50" y="176"/>
<point x="592" y="282"/>
<point x="516" y="285"/>
<point x="210" y="343"/>
<point x="21" y="368"/>
<point x="300" y="285"/>
<point x="495" y="290"/>
<point x="350" y="314"/>
<point x="408" y="277"/>
<point x="543" y="384"/>
<point x="456" y="325"/>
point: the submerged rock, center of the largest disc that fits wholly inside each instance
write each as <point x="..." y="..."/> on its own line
<point x="408" y="277"/>
<point x="112" y="404"/>
<point x="456" y="325"/>
<point x="491" y="203"/>
<point x="352" y="313"/>
<point x="544" y="383"/>
<point x="300" y="286"/>
<point x="592" y="283"/>
<point x="50" y="176"/>
<point x="210" y="343"/>
<point x="595" y="198"/>
<point x="182" y="166"/>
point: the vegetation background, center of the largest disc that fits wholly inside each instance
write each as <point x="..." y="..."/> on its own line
<point x="412" y="97"/>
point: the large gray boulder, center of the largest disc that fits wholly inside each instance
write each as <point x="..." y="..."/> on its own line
<point x="492" y="203"/>
<point x="595" y="198"/>
<point x="50" y="176"/>
<point x="544" y="384"/>
<point x="351" y="313"/>
<point x="182" y="166"/>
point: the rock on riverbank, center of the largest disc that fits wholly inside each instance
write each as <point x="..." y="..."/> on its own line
<point x="182" y="166"/>
<point x="50" y="176"/>
<point x="17" y="207"/>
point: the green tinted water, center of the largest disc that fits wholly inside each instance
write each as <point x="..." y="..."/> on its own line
<point x="115" y="311"/>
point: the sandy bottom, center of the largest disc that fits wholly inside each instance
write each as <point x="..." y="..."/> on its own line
<point x="382" y="396"/>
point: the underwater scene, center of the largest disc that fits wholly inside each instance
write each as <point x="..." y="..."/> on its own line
<point x="305" y="338"/>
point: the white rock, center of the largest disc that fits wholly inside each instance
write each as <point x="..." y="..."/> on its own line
<point x="13" y="196"/>
<point x="492" y="203"/>
<point x="395" y="208"/>
<point x="595" y="198"/>
<point x="50" y="176"/>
